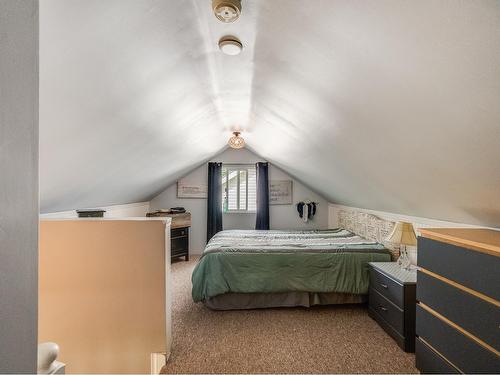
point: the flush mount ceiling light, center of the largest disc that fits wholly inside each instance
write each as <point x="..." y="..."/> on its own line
<point x="230" y="45"/>
<point x="236" y="141"/>
<point x="227" y="11"/>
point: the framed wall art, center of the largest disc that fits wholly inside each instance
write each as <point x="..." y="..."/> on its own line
<point x="187" y="189"/>
<point x="280" y="192"/>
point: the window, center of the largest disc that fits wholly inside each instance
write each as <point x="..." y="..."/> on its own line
<point x="239" y="188"/>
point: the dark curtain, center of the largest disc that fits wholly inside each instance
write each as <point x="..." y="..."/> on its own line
<point x="262" y="220"/>
<point x="214" y="203"/>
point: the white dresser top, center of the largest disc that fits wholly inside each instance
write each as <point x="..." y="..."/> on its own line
<point x="394" y="271"/>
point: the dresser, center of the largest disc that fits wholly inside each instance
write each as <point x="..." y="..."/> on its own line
<point x="458" y="308"/>
<point x="179" y="243"/>
<point x="179" y="233"/>
<point x="392" y="301"/>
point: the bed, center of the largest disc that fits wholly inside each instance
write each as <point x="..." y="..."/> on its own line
<point x="243" y="269"/>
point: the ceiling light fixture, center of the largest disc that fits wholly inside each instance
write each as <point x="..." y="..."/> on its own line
<point x="236" y="141"/>
<point x="230" y="45"/>
<point x="227" y="11"/>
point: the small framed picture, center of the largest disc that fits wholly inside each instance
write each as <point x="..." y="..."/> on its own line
<point x="186" y="189"/>
<point x="280" y="192"/>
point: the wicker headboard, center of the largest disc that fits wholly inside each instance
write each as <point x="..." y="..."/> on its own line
<point x="368" y="226"/>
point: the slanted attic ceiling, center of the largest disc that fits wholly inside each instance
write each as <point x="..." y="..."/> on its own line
<point x="388" y="105"/>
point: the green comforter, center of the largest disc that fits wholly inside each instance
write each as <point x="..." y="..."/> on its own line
<point x="251" y="261"/>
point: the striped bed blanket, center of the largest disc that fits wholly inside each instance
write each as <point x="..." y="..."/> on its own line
<point x="275" y="261"/>
<point x="281" y="241"/>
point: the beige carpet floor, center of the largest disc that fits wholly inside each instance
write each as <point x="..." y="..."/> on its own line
<point x="337" y="339"/>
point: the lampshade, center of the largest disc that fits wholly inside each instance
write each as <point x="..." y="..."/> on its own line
<point x="236" y="141"/>
<point x="403" y="234"/>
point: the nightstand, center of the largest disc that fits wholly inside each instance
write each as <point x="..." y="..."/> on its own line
<point x="179" y="232"/>
<point x="179" y="243"/>
<point x="392" y="301"/>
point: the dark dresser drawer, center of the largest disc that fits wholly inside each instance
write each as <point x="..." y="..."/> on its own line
<point x="473" y="269"/>
<point x="179" y="245"/>
<point x="387" y="287"/>
<point x="463" y="352"/>
<point x="430" y="362"/>
<point x="392" y="314"/>
<point x="179" y="232"/>
<point x="475" y="315"/>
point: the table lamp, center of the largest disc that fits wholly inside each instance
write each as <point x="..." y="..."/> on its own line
<point x="403" y="235"/>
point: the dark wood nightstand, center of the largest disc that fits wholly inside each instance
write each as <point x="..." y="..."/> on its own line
<point x="392" y="301"/>
<point x="179" y="243"/>
<point x="179" y="233"/>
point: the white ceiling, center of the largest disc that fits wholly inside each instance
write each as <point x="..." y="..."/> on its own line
<point x="389" y="105"/>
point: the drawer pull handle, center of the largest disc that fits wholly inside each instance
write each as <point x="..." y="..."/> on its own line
<point x="383" y="286"/>
<point x="383" y="308"/>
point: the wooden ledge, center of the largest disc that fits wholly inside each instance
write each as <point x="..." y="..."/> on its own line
<point x="486" y="241"/>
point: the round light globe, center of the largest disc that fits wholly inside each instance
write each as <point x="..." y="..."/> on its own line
<point x="236" y="141"/>
<point x="230" y="45"/>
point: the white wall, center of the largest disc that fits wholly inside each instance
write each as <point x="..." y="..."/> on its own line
<point x="390" y="105"/>
<point x="139" y="209"/>
<point x="281" y="217"/>
<point x="18" y="185"/>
